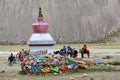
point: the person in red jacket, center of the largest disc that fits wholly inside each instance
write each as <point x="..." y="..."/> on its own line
<point x="84" y="50"/>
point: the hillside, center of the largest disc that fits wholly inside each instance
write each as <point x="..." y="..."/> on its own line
<point x="69" y="20"/>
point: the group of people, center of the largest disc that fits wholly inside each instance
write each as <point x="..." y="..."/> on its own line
<point x="65" y="51"/>
<point x="19" y="57"/>
<point x="72" y="52"/>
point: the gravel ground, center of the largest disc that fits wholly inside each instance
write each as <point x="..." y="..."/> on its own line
<point x="12" y="73"/>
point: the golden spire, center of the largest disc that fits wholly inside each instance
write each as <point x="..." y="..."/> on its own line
<point x="40" y="12"/>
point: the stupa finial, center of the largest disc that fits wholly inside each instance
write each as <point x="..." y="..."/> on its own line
<point x="40" y="12"/>
<point x="40" y="16"/>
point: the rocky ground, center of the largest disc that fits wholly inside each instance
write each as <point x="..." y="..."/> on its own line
<point x="12" y="73"/>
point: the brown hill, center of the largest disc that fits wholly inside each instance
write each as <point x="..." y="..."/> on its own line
<point x="69" y="20"/>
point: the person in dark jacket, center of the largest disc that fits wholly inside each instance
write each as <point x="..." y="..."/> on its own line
<point x="62" y="53"/>
<point x="69" y="51"/>
<point x="64" y="48"/>
<point x="11" y="59"/>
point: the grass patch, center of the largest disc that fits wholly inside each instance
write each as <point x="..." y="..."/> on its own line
<point x="3" y="57"/>
<point x="90" y="46"/>
<point x="16" y="48"/>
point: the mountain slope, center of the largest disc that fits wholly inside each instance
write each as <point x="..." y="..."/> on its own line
<point x="69" y="20"/>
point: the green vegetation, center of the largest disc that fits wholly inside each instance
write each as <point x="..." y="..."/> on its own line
<point x="109" y="37"/>
<point x="12" y="43"/>
<point x="59" y="46"/>
<point x="13" y="47"/>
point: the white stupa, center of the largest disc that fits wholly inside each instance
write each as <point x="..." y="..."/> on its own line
<point x="41" y="40"/>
